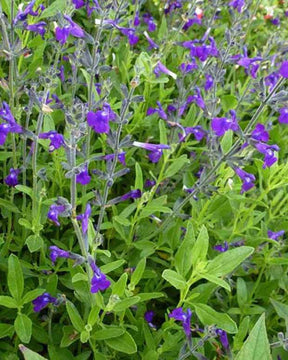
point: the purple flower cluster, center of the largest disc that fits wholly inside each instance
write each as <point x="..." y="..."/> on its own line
<point x="184" y="317"/>
<point x="10" y="125"/>
<point x="99" y="120"/>
<point x="221" y="125"/>
<point x="42" y="301"/>
<point x="198" y="49"/>
<point x="84" y="218"/>
<point x="62" y="33"/>
<point x="56" y="140"/>
<point x="12" y="178"/>
<point x="246" y="178"/>
<point x="99" y="281"/>
<point x="156" y="150"/>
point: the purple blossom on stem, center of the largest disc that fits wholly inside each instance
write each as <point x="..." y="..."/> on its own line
<point x="171" y="6"/>
<point x="22" y="14"/>
<point x="61" y="34"/>
<point x="11" y="126"/>
<point x="275" y="235"/>
<point x="283" y="118"/>
<point x="148" y="316"/>
<point x="160" y="68"/>
<point x="198" y="132"/>
<point x="12" y="178"/>
<point x="121" y="157"/>
<point x="260" y="133"/>
<point x="191" y="22"/>
<point x="237" y="4"/>
<point x="156" y="150"/>
<point x="268" y="151"/>
<point x="209" y="82"/>
<point x="83" y="177"/>
<point x="78" y="3"/>
<point x="186" y="68"/>
<point x="99" y="120"/>
<point x="133" y="194"/>
<point x="152" y="44"/>
<point x="54" y="211"/>
<point x="149" y="183"/>
<point x="42" y="301"/>
<point x="136" y="21"/>
<point x="275" y="21"/>
<point x="56" y="140"/>
<point x="129" y="32"/>
<point x="149" y="20"/>
<point x="184" y="317"/>
<point x="197" y="99"/>
<point x="246" y="62"/>
<point x="39" y="28"/>
<point x="201" y="51"/>
<point x="84" y="218"/>
<point x="223" y="338"/>
<point x="99" y="280"/>
<point x="246" y="178"/>
<point x="55" y="252"/>
<point x="271" y="80"/>
<point x="158" y="110"/>
<point x="221" y="248"/>
<point x="221" y="125"/>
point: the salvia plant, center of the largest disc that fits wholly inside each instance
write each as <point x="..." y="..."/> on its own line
<point x="143" y="180"/>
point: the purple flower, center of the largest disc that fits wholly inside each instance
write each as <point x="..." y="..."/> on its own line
<point x="99" y="120"/>
<point x="99" y="280"/>
<point x="54" y="211"/>
<point x="55" y="252"/>
<point x="209" y="82"/>
<point x="4" y="131"/>
<point x="202" y="51"/>
<point x="5" y="114"/>
<point x="268" y="151"/>
<point x="129" y="32"/>
<point x="12" y="178"/>
<point x="83" y="177"/>
<point x="197" y="131"/>
<point x="246" y="62"/>
<point x="159" y="110"/>
<point x="85" y="218"/>
<point x="283" y="118"/>
<point x="271" y="80"/>
<point x="121" y="157"/>
<point x="186" y="68"/>
<point x="152" y="44"/>
<point x="223" y="338"/>
<point x="171" y="6"/>
<point x="136" y="21"/>
<point x="221" y="125"/>
<point x="133" y="194"/>
<point x="260" y="133"/>
<point x="56" y="140"/>
<point x="221" y="248"/>
<point x="61" y="34"/>
<point x="149" y="20"/>
<point x="43" y="300"/>
<point x="149" y="183"/>
<point x="275" y="21"/>
<point x="78" y="3"/>
<point x="191" y="22"/>
<point x="185" y="318"/>
<point x="237" y="4"/>
<point x="247" y="179"/>
<point x="38" y="28"/>
<point x="160" y="68"/>
<point x="155" y="150"/>
<point x="11" y="126"/>
<point x="198" y="99"/>
<point x="22" y="14"/>
<point x="148" y="316"/>
<point x="275" y="235"/>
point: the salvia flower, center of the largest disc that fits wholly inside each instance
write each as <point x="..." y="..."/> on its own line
<point x="133" y="194"/>
<point x="22" y="14"/>
<point x="221" y="247"/>
<point x="149" y="183"/>
<point x="189" y="67"/>
<point x="184" y="317"/>
<point x="61" y="34"/>
<point x="99" y="281"/>
<point x="198" y="132"/>
<point x="223" y="338"/>
<point x="56" y="252"/>
<point x="39" y="28"/>
<point x="54" y="211"/>
<point x="99" y="120"/>
<point x="10" y="126"/>
<point x="84" y="218"/>
<point x="197" y="99"/>
<point x="152" y="44"/>
<point x="158" y="110"/>
<point x="246" y="178"/>
<point x="246" y="62"/>
<point x="83" y="177"/>
<point x="129" y="32"/>
<point x="6" y="114"/>
<point x="136" y="21"/>
<point x="260" y="133"/>
<point x="209" y="82"/>
<point x="191" y="22"/>
<point x="42" y="301"/>
<point x="149" y="20"/>
<point x="223" y="124"/>
<point x="275" y="235"/>
<point x="268" y="151"/>
<point x="200" y="50"/>
<point x="171" y="6"/>
<point x="237" y="4"/>
<point x="56" y="140"/>
<point x="283" y="118"/>
<point x="148" y="316"/>
<point x="78" y="3"/>
<point x="156" y="150"/>
<point x="12" y="178"/>
<point x="160" y="68"/>
<point x="271" y="80"/>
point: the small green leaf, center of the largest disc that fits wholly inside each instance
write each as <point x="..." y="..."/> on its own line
<point x="56" y="7"/>
<point x="149" y="296"/>
<point x="34" y="243"/>
<point x="108" y="333"/>
<point x="257" y="345"/>
<point x="176" y="165"/>
<point x="216" y="280"/>
<point x="138" y="177"/>
<point x="75" y="317"/>
<point x="8" y="206"/>
<point x="29" y="354"/>
<point x="124" y="343"/>
<point x="175" y="279"/>
<point x="107" y="268"/>
<point x="124" y="304"/>
<point x="137" y="273"/>
<point x="242" y="294"/>
<point x="121" y="220"/>
<point x="84" y="336"/>
<point x="25" y="223"/>
<point x="183" y="257"/>
<point x="119" y="287"/>
<point x="15" y="278"/>
<point x="31" y="295"/>
<point x="25" y="190"/>
<point x="6" y="330"/>
<point x="23" y="327"/>
<point x="209" y="316"/>
<point x="8" y="302"/>
<point x="200" y="248"/>
<point x="226" y="141"/>
<point x="228" y="102"/>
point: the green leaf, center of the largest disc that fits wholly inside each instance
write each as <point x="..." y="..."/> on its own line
<point x="124" y="304"/>
<point x="29" y="354"/>
<point x="242" y="294"/>
<point x="200" y="248"/>
<point x="84" y="336"/>
<point x="176" y="165"/>
<point x="15" y="278"/>
<point x="4" y="155"/>
<point x="209" y="316"/>
<point x="69" y="336"/>
<point x="183" y="257"/>
<point x="228" y="102"/>
<point x="108" y="333"/>
<point x="124" y="343"/>
<point x="226" y="262"/>
<point x="149" y="296"/>
<point x="31" y="295"/>
<point x="8" y="206"/>
<point x="137" y="273"/>
<point x="34" y="243"/>
<point x="242" y="332"/>
<point x="25" y="189"/>
<point x="23" y="327"/>
<point x="174" y="279"/>
<point x="8" y="302"/>
<point x="214" y="279"/>
<point x="226" y="141"/>
<point x="138" y="177"/>
<point x="75" y="317"/>
<point x="257" y="346"/>
<point x="6" y="330"/>
<point x="107" y="268"/>
<point x="119" y="287"/>
<point x="121" y="220"/>
<point x="56" y="7"/>
<point x="281" y="309"/>
<point x="25" y="223"/>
